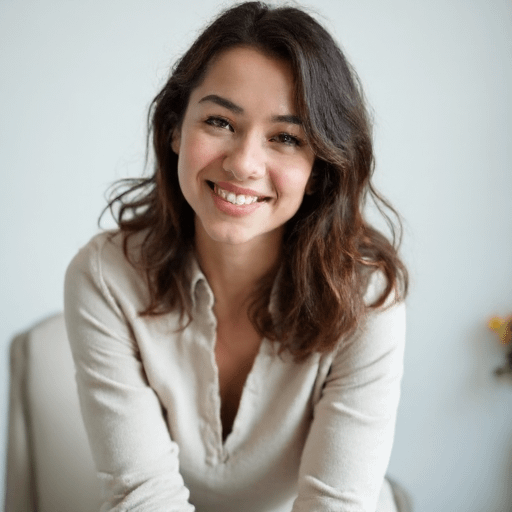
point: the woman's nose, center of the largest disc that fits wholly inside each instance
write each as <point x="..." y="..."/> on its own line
<point x="246" y="159"/>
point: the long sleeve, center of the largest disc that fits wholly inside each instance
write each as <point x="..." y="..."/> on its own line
<point x="136" y="459"/>
<point x="349" y="444"/>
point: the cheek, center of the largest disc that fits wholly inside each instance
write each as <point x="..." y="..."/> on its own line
<point x="195" y="155"/>
<point x="292" y="183"/>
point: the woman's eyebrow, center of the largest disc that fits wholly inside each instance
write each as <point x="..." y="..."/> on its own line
<point x="287" y="119"/>
<point x="236" y="109"/>
<point x="223" y="102"/>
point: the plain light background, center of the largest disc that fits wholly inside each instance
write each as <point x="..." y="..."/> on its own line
<point x="76" y="79"/>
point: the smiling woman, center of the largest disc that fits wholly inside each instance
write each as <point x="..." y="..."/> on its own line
<point x="243" y="166"/>
<point x="239" y="339"/>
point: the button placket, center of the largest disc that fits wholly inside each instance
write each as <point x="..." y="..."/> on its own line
<point x="207" y="323"/>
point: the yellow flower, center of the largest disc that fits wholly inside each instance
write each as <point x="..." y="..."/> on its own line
<point x="502" y="326"/>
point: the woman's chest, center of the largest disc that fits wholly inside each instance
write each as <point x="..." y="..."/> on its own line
<point x="205" y="387"/>
<point x="236" y="349"/>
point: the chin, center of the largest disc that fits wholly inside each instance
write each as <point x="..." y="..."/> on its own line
<point x="231" y="236"/>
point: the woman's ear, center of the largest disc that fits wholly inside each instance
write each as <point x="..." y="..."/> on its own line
<point x="175" y="140"/>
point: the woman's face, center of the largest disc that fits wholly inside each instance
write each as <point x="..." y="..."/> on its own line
<point x="243" y="159"/>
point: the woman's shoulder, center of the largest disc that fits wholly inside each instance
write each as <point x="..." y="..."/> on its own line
<point x="108" y="261"/>
<point x="104" y="249"/>
<point x="376" y="284"/>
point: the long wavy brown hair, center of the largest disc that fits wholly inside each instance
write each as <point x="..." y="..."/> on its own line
<point x="329" y="248"/>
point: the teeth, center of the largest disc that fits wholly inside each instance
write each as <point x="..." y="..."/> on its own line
<point x="232" y="198"/>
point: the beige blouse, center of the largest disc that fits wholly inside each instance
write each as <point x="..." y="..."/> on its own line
<point x="314" y="436"/>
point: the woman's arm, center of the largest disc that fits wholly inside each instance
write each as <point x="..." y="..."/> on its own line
<point x="136" y="459"/>
<point x="348" y="448"/>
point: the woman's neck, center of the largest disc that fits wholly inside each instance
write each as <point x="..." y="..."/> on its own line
<point x="235" y="270"/>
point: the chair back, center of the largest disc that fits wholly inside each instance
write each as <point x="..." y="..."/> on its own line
<point x="49" y="462"/>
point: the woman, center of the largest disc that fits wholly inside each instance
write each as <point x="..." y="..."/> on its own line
<point x="239" y="340"/>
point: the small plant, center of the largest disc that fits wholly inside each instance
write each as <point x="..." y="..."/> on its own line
<point x="503" y="327"/>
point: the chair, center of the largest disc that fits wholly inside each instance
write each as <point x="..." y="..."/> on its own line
<point x="49" y="464"/>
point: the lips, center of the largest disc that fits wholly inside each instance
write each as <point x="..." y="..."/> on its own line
<point x="233" y="198"/>
<point x="236" y="195"/>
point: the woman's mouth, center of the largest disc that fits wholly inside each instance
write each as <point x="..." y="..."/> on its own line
<point x="231" y="197"/>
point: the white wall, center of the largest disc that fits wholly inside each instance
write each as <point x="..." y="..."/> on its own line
<point x="76" y="79"/>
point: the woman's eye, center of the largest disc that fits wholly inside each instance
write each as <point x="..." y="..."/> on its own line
<point x="289" y="140"/>
<point x="219" y="122"/>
